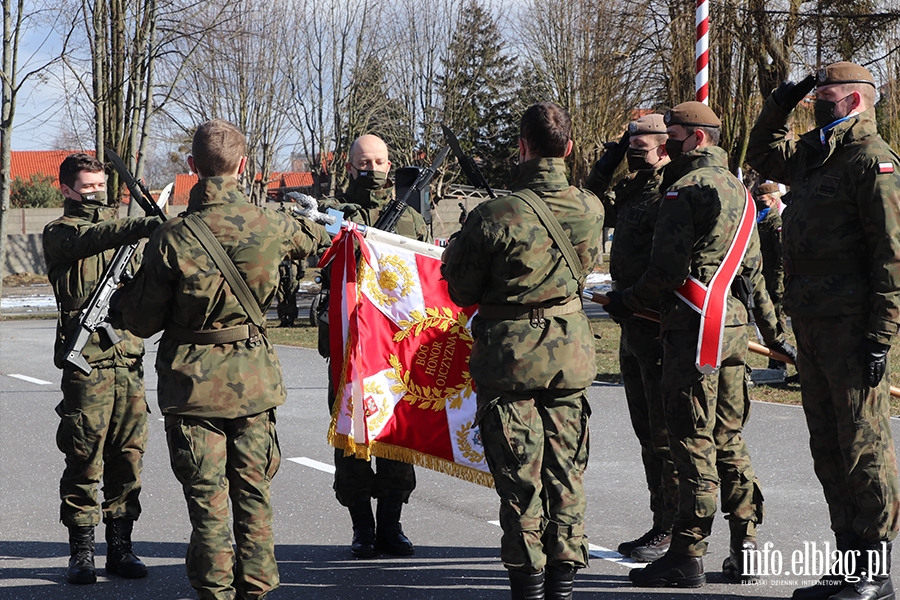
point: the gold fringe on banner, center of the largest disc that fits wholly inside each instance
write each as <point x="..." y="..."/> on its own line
<point x="410" y="456"/>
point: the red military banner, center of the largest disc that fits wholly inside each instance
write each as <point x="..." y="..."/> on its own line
<point x="403" y="386"/>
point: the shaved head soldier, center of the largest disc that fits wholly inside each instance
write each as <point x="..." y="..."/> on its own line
<point x="357" y="481"/>
<point x="842" y="292"/>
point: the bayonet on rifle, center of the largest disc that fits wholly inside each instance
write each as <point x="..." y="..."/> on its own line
<point x="96" y="312"/>
<point x="468" y="166"/>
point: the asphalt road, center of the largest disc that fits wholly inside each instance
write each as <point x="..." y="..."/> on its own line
<point x="452" y="522"/>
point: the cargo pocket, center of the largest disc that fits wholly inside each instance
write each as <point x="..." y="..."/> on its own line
<point x="583" y="451"/>
<point x="273" y="457"/>
<point x="70" y="436"/>
<point x="181" y="450"/>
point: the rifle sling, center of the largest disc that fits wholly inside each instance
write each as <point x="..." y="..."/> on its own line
<point x="229" y="271"/>
<point x="556" y="232"/>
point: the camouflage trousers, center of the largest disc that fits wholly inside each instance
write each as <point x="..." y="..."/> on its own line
<point x="103" y="433"/>
<point x="849" y="427"/>
<point x="640" y="362"/>
<point x="536" y="446"/>
<point x="218" y="459"/>
<point x="705" y="420"/>
<point x="357" y="480"/>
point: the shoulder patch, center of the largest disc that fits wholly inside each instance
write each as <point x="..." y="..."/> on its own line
<point x="885" y="167"/>
<point x="672" y="195"/>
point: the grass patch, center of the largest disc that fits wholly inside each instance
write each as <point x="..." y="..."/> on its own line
<point x="22" y="279"/>
<point x="302" y="335"/>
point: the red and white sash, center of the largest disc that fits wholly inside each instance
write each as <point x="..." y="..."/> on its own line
<point x="711" y="300"/>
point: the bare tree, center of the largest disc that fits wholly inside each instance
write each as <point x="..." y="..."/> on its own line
<point x="591" y="55"/>
<point x="18" y="21"/>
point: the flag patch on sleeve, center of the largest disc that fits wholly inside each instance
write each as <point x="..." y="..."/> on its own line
<point x="671" y="195"/>
<point x="885" y="167"/>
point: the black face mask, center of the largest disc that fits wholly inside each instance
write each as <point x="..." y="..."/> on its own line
<point x="637" y="159"/>
<point x="370" y="180"/>
<point x="97" y="198"/>
<point x="675" y="148"/>
<point x="824" y="112"/>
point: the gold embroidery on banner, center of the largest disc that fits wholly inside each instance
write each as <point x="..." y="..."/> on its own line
<point x="424" y="396"/>
<point x="465" y="446"/>
<point x="377" y="411"/>
<point x="440" y="317"/>
<point x="394" y="277"/>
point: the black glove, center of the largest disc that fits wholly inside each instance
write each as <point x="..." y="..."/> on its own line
<point x="616" y="308"/>
<point x="789" y="94"/>
<point x="875" y="355"/>
<point x="614" y="154"/>
<point x="786" y="349"/>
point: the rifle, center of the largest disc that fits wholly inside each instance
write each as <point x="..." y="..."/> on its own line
<point x="468" y="166"/>
<point x="95" y="314"/>
<point x="389" y="217"/>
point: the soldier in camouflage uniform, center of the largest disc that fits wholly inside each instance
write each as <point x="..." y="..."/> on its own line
<point x="219" y="376"/>
<point x="289" y="274"/>
<point x="631" y="208"/>
<point x="356" y="481"/>
<point x="842" y="268"/>
<point x="533" y="354"/>
<point x="103" y="415"/>
<point x="768" y="224"/>
<point x="705" y="413"/>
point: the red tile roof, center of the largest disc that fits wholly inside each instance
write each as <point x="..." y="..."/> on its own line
<point x="295" y="179"/>
<point x="26" y="163"/>
<point x="181" y="192"/>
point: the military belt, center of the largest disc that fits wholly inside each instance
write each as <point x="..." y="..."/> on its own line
<point x="226" y="335"/>
<point x="822" y="267"/>
<point x="521" y="312"/>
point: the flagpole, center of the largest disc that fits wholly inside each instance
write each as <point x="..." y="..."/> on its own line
<point x="701" y="80"/>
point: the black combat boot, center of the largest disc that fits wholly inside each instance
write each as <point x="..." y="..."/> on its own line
<point x="829" y="585"/>
<point x="736" y="567"/>
<point x="526" y="586"/>
<point x="559" y="582"/>
<point x="363" y="544"/>
<point x="626" y="548"/>
<point x="672" y="569"/>
<point x="389" y="536"/>
<point x="871" y="586"/>
<point x="120" y="558"/>
<point x="81" y="547"/>
<point x="654" y="549"/>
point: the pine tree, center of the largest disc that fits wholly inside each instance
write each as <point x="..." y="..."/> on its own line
<point x="479" y="91"/>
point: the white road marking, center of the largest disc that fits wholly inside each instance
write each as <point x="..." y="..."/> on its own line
<point x="308" y="462"/>
<point x="30" y="379"/>
<point x="604" y="554"/>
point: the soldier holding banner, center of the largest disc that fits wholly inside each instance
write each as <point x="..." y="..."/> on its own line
<point x="842" y="291"/>
<point x="356" y="480"/>
<point x="704" y="233"/>
<point x="524" y="259"/>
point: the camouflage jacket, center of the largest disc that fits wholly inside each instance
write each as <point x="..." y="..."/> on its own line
<point x="697" y="220"/>
<point x="364" y="206"/>
<point x="768" y="224"/>
<point x="841" y="231"/>
<point x="503" y="255"/>
<point x="77" y="248"/>
<point x="179" y="287"/>
<point x="631" y="208"/>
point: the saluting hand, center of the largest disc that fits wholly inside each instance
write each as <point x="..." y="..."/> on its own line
<point x="789" y="94"/>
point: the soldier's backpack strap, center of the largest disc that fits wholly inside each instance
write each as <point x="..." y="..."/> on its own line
<point x="209" y="242"/>
<point x="559" y="236"/>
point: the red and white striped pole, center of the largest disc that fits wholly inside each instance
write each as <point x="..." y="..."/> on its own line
<point x="702" y="52"/>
